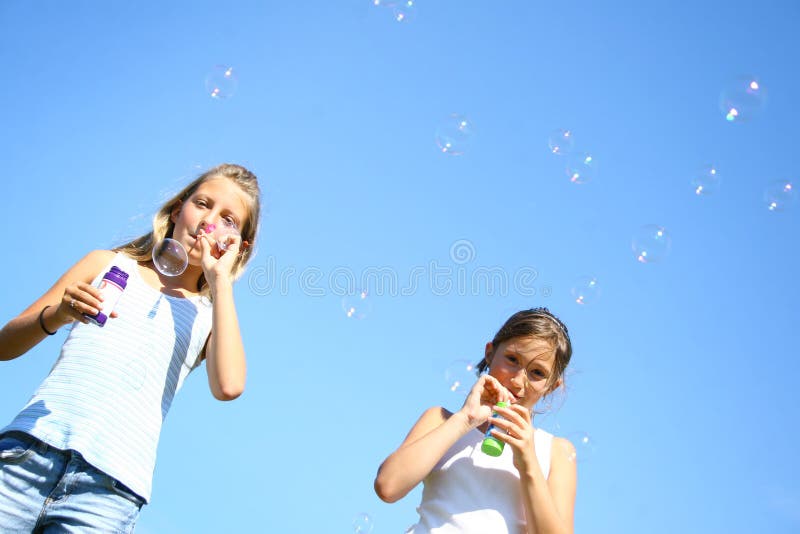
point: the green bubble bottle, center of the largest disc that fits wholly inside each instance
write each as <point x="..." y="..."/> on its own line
<point x="491" y="445"/>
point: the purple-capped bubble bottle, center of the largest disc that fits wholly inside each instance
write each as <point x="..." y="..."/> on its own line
<point x="111" y="287"/>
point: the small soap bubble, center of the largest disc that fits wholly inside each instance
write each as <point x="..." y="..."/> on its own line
<point x="561" y="142"/>
<point x="581" y="168"/>
<point x="362" y="523"/>
<point x="584" y="446"/>
<point x="585" y="291"/>
<point x="460" y="376"/>
<point x="780" y="195"/>
<point x="358" y="305"/>
<point x="454" y="134"/>
<point x="224" y="234"/>
<point x="651" y="243"/>
<point x="706" y="180"/>
<point x="742" y="99"/>
<point x="404" y="11"/>
<point x="221" y="82"/>
<point x="169" y="257"/>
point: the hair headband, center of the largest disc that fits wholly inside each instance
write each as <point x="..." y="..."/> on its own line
<point x="544" y="312"/>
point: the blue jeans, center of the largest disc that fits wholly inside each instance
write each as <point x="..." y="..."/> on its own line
<point x="44" y="489"/>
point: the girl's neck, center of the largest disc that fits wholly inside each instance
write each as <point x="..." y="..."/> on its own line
<point x="183" y="285"/>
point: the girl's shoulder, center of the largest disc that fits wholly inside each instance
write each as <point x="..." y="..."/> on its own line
<point x="564" y="446"/>
<point x="100" y="255"/>
<point x="92" y="263"/>
<point x="436" y="414"/>
<point x="562" y="455"/>
<point x="430" y="419"/>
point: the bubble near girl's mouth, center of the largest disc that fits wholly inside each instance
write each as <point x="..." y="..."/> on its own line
<point x="169" y="257"/>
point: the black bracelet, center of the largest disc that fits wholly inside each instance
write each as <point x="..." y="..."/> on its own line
<point x="41" y="322"/>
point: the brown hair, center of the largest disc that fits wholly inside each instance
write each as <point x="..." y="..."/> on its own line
<point x="542" y="324"/>
<point x="141" y="248"/>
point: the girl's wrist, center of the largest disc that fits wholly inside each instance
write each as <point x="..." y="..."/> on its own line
<point x="55" y="318"/>
<point x="528" y="464"/>
<point x="42" y="322"/>
<point x="220" y="284"/>
<point x="469" y="421"/>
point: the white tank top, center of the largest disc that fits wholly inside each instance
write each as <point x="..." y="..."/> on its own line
<point x="470" y="492"/>
<point x="110" y="389"/>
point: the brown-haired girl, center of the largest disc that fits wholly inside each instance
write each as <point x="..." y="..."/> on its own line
<point x="81" y="453"/>
<point x="530" y="488"/>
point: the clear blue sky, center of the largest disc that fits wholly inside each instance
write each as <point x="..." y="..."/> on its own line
<point x="684" y="370"/>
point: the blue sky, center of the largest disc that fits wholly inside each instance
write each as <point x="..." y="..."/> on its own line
<point x="683" y="371"/>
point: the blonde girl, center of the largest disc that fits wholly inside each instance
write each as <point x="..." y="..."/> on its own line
<point x="79" y="456"/>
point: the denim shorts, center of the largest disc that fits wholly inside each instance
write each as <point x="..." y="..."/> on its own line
<point x="47" y="490"/>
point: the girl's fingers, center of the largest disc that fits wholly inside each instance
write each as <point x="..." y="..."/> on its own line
<point x="80" y="301"/>
<point x="206" y="246"/>
<point x="523" y="412"/>
<point x="501" y="393"/>
<point x="515" y="413"/>
<point x="505" y="435"/>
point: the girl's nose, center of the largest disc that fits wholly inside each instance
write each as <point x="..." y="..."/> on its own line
<point x="520" y="378"/>
<point x="207" y="227"/>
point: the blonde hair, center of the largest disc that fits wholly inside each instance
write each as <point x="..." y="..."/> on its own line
<point x="141" y="248"/>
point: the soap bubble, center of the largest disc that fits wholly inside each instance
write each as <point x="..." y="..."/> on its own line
<point x="169" y="257"/>
<point x="780" y="195"/>
<point x="581" y="168"/>
<point x="585" y="290"/>
<point x="651" y="243"/>
<point x="460" y="376"/>
<point x="404" y="11"/>
<point x="454" y="134"/>
<point x="362" y="523"/>
<point x="742" y="99"/>
<point x="224" y="234"/>
<point x="706" y="180"/>
<point x="561" y="142"/>
<point x="358" y="305"/>
<point x="584" y="446"/>
<point x="221" y="82"/>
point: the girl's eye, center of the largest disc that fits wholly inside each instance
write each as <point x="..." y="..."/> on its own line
<point x="535" y="374"/>
<point x="201" y="203"/>
<point x="230" y="222"/>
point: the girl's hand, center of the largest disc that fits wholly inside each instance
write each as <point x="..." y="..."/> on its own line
<point x="480" y="402"/>
<point x="516" y="429"/>
<point x="79" y="298"/>
<point x="218" y="262"/>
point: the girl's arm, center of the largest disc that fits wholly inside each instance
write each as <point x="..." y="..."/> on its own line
<point x="549" y="503"/>
<point x="224" y="352"/>
<point x="431" y="437"/>
<point x="225" y="359"/>
<point x="24" y="332"/>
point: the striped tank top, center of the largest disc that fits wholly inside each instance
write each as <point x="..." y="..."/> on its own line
<point x="111" y="388"/>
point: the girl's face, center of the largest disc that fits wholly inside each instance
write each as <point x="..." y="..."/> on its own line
<point x="524" y="365"/>
<point x="215" y="201"/>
